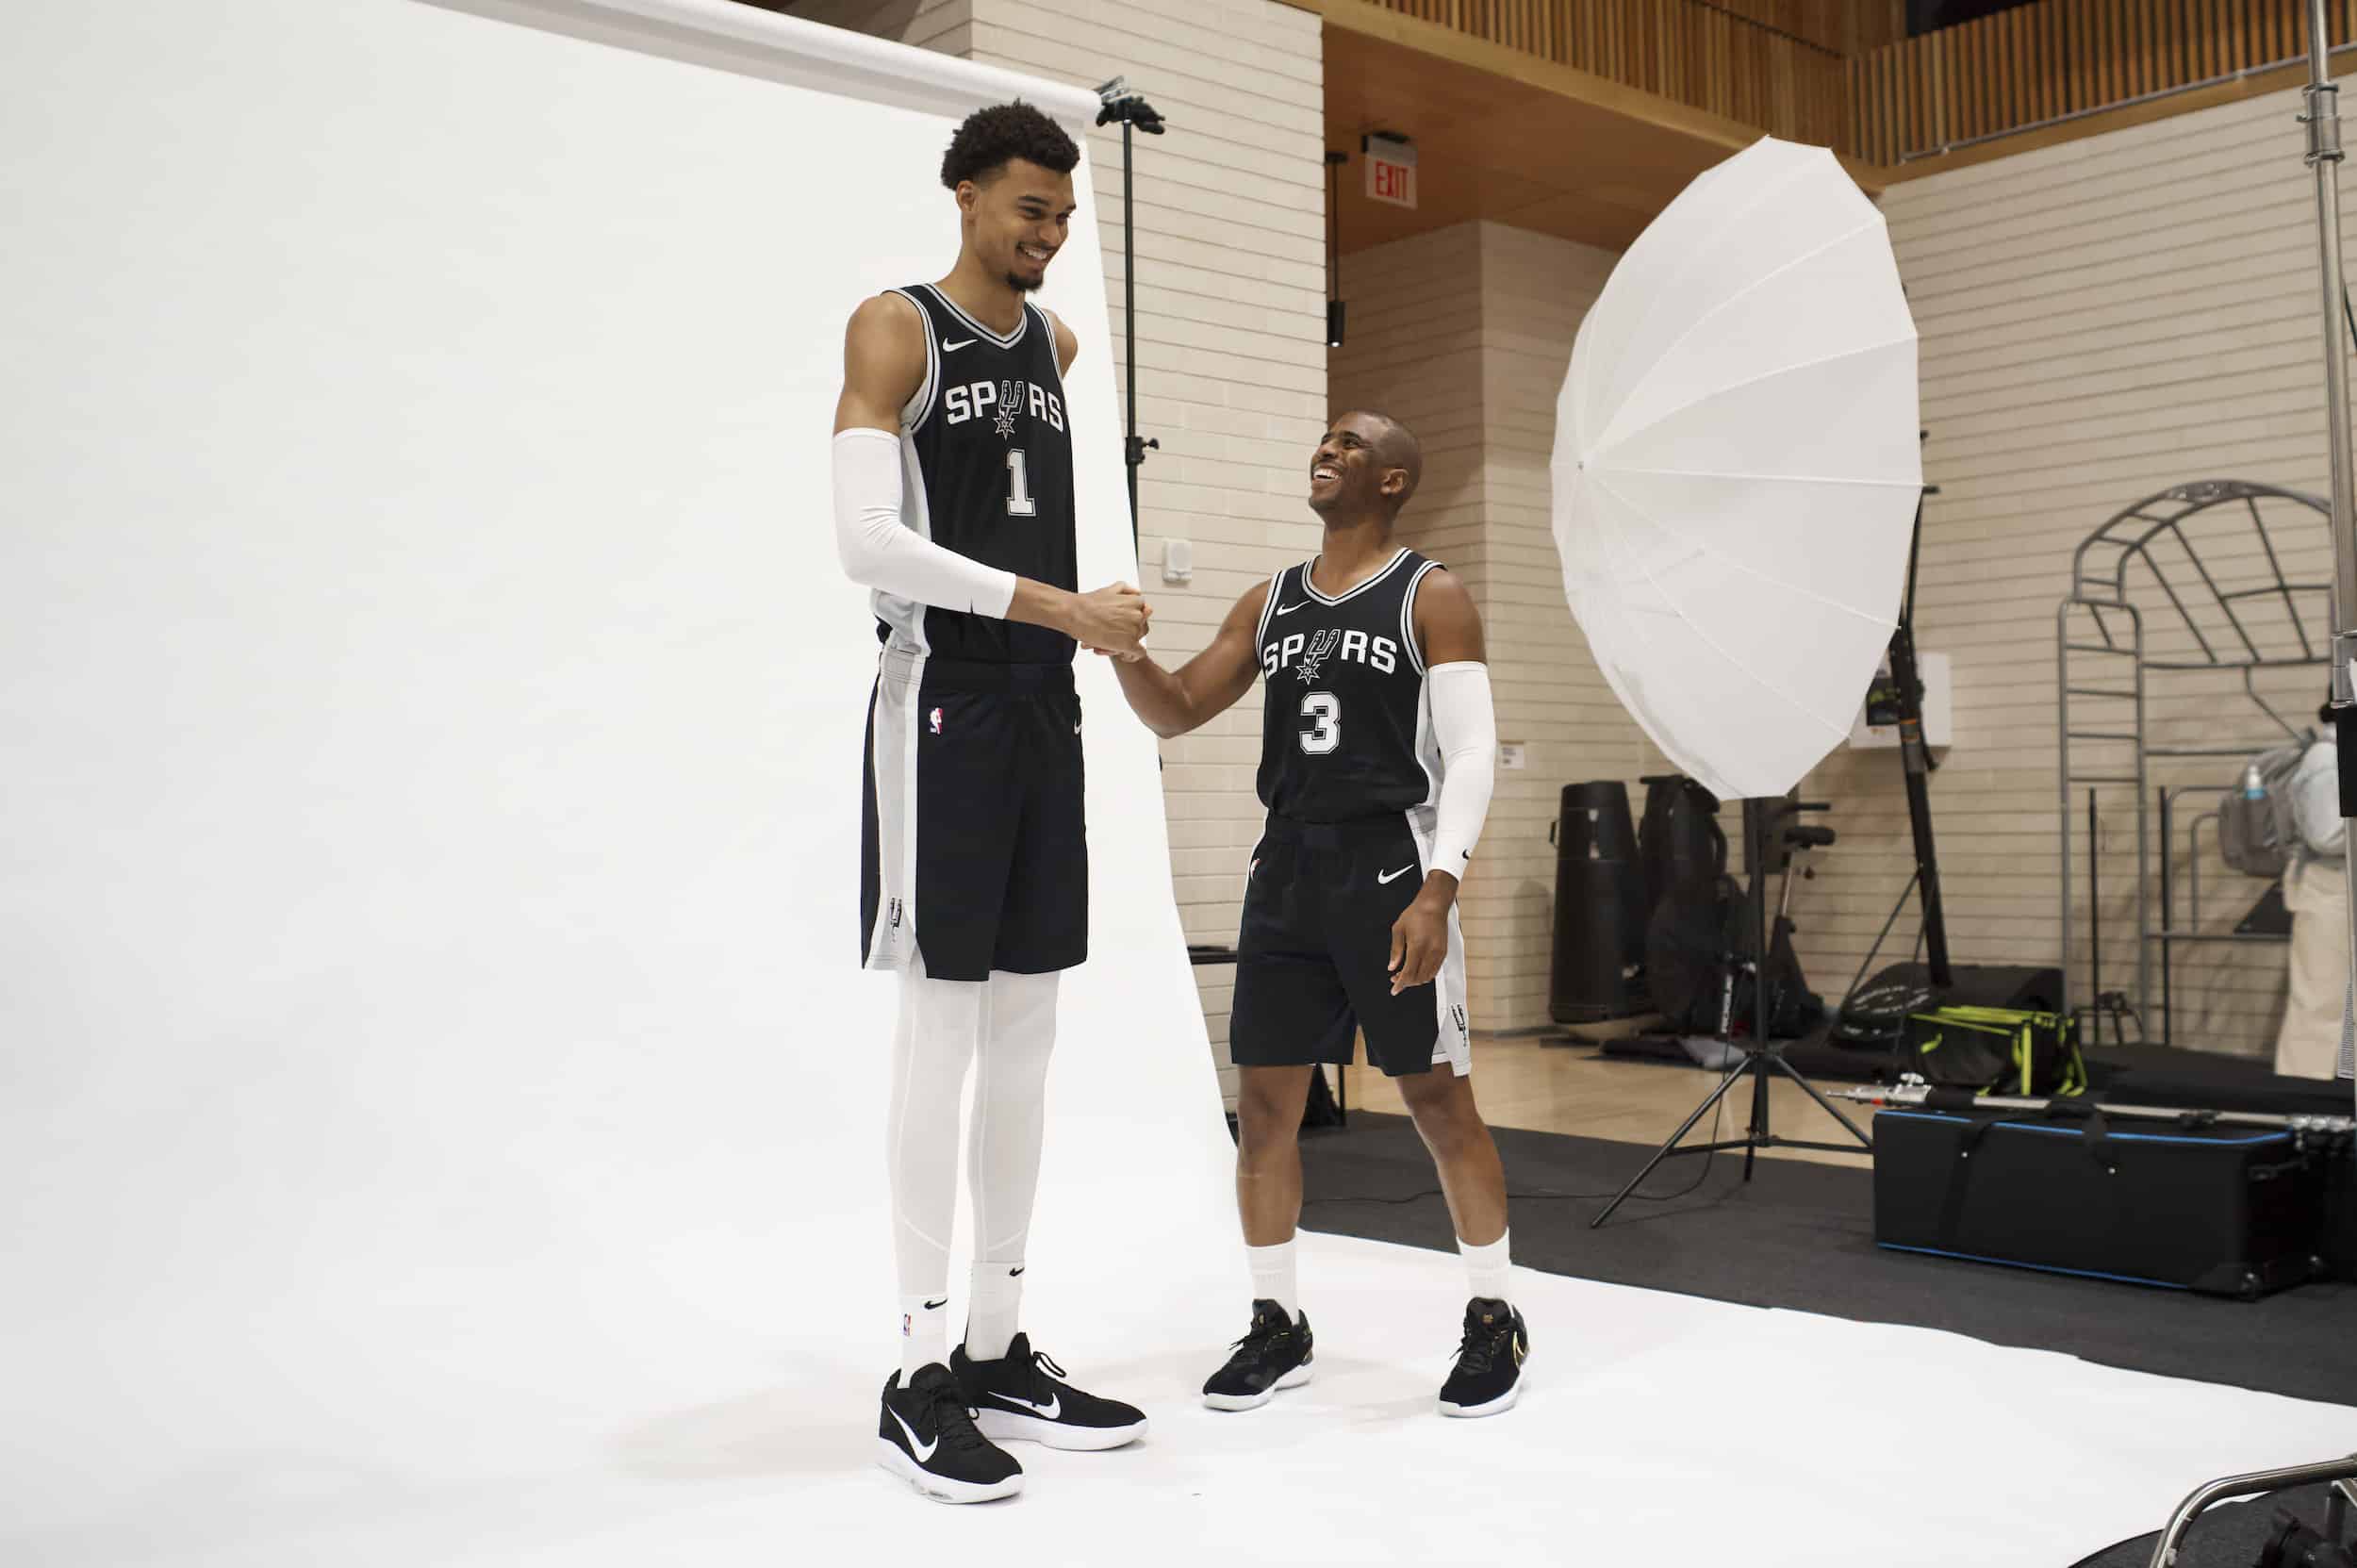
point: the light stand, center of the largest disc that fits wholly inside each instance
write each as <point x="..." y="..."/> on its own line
<point x="1763" y="824"/>
<point x="1130" y="111"/>
<point x="2323" y="121"/>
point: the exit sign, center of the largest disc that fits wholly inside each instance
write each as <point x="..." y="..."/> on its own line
<point x="1391" y="170"/>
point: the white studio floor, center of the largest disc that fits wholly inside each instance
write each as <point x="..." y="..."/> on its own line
<point x="1654" y="1424"/>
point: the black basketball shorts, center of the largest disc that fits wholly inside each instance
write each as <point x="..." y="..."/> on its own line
<point x="1314" y="959"/>
<point x="974" y="839"/>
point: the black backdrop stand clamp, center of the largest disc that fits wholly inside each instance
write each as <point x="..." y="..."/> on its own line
<point x="1130" y="111"/>
<point x="1763" y="823"/>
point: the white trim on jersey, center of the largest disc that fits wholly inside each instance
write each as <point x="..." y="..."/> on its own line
<point x="1452" y="1037"/>
<point x="1428" y="758"/>
<point x="892" y="737"/>
<point x="1055" y="352"/>
<point x="921" y="405"/>
<point x="1006" y="342"/>
<point x="1268" y="612"/>
<point x="1311" y="588"/>
<point x="1407" y="614"/>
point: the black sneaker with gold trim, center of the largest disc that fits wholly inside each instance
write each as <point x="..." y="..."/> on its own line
<point x="1276" y="1352"/>
<point x="1489" y="1374"/>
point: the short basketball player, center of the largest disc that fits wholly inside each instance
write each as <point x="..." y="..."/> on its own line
<point x="1377" y="754"/>
<point x="953" y="501"/>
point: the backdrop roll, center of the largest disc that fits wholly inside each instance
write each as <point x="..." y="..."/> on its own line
<point x="435" y="1046"/>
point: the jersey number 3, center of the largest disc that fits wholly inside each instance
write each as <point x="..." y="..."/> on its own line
<point x="1326" y="710"/>
<point x="1019" y="502"/>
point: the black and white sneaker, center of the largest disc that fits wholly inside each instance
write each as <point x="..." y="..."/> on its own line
<point x="1021" y="1398"/>
<point x="1489" y="1374"/>
<point x="926" y="1438"/>
<point x="1275" y="1353"/>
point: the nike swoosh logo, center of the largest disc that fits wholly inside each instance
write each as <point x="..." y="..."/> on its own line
<point x="931" y="1305"/>
<point x="1013" y="1272"/>
<point x="952" y="348"/>
<point x="1292" y="607"/>
<point x="1393" y="876"/>
<point x="924" y="1451"/>
<point x="1046" y="1412"/>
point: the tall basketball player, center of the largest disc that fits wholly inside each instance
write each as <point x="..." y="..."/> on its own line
<point x="953" y="502"/>
<point x="1377" y="753"/>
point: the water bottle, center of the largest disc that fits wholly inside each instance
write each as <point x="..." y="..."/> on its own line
<point x="2253" y="786"/>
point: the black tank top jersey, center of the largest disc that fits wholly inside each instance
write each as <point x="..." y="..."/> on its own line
<point x="1347" y="732"/>
<point x="986" y="465"/>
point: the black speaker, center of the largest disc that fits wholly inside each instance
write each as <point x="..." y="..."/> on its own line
<point x="1873" y="1015"/>
<point x="1599" y="908"/>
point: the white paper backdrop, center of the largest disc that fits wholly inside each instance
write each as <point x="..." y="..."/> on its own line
<point x="428" y="987"/>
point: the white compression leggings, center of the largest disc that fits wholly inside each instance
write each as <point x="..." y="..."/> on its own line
<point x="1007" y="1025"/>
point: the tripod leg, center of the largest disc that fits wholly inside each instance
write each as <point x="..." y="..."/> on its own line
<point x="1663" y="1153"/>
<point x="1756" y="1128"/>
<point x="1830" y="1108"/>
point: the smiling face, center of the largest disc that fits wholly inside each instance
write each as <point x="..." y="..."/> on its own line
<point x="1016" y="218"/>
<point x="1365" y="463"/>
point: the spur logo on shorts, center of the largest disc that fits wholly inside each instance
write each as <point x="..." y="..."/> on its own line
<point x="1458" y="1012"/>
<point x="934" y="717"/>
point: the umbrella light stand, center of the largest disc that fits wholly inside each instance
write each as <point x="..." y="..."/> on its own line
<point x="1761" y="1055"/>
<point x="1874" y="1012"/>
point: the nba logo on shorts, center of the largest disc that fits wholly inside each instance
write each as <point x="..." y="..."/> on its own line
<point x="935" y="717"/>
<point x="904" y="1325"/>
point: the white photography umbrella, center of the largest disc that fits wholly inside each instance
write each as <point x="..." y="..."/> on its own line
<point x="1736" y="467"/>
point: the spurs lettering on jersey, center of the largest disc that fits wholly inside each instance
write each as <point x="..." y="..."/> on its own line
<point x="1307" y="653"/>
<point x="1348" y="738"/>
<point x="1002" y="402"/>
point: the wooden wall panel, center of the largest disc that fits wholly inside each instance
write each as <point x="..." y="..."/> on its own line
<point x="2037" y="63"/>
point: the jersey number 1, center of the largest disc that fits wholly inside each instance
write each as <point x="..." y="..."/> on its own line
<point x="1019" y="502"/>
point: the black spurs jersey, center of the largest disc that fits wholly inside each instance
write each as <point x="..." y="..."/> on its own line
<point x="1347" y="733"/>
<point x="986" y="465"/>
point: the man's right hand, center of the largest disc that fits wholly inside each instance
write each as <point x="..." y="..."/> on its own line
<point x="1112" y="619"/>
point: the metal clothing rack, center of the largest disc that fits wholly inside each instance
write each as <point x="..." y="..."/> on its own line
<point x="2104" y="660"/>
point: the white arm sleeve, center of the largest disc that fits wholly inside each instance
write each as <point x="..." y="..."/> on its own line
<point x="1466" y="726"/>
<point x="880" y="551"/>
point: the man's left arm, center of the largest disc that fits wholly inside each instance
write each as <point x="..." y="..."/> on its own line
<point x="1457" y="683"/>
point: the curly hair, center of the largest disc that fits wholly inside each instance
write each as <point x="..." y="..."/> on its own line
<point x="993" y="137"/>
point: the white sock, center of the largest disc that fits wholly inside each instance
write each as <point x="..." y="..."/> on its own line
<point x="933" y="1046"/>
<point x="924" y="1333"/>
<point x="994" y="1308"/>
<point x="1487" y="1269"/>
<point x="1002" y="1148"/>
<point x="1273" y="1276"/>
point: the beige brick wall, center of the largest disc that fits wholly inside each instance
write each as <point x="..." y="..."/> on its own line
<point x="1464" y="333"/>
<point x="1230" y="207"/>
<point x="2100" y="321"/>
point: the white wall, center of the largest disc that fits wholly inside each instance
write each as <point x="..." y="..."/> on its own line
<point x="436" y="1048"/>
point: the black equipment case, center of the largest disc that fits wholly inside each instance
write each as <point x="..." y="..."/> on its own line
<point x="2225" y="1210"/>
